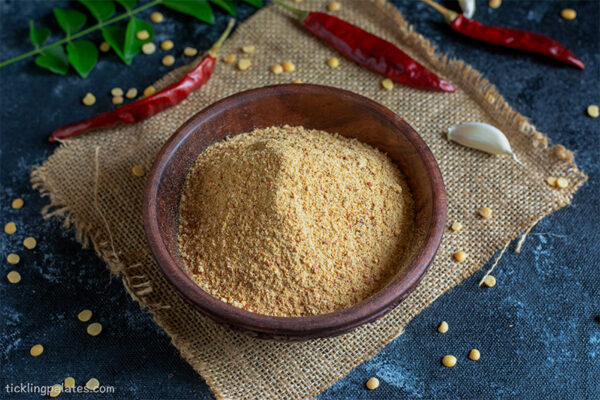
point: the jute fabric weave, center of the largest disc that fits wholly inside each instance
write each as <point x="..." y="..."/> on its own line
<point x="90" y="186"/>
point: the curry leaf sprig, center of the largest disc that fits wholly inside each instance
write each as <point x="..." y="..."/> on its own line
<point x="82" y="55"/>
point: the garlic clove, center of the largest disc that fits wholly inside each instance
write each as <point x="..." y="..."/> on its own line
<point x="468" y="7"/>
<point x="481" y="136"/>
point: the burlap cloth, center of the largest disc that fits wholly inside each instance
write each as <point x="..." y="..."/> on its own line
<point x="90" y="185"/>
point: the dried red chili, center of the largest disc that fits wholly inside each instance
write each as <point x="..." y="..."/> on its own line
<point x="369" y="51"/>
<point x="147" y="107"/>
<point x="507" y="37"/>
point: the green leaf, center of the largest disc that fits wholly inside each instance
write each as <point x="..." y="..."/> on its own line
<point x="115" y="36"/>
<point x="196" y="8"/>
<point x="133" y="45"/>
<point x="69" y="20"/>
<point x="37" y="35"/>
<point x="226" y="5"/>
<point x="127" y="4"/>
<point x="100" y="9"/>
<point x="83" y="56"/>
<point x="255" y="3"/>
<point x="54" y="59"/>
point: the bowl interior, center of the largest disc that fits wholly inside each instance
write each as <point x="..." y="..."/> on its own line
<point x="315" y="107"/>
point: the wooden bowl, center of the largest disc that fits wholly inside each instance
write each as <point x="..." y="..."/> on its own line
<point x="311" y="106"/>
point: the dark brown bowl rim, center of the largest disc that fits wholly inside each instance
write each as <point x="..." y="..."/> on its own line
<point x="323" y="325"/>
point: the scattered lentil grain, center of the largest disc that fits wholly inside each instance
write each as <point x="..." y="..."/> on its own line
<point x="298" y="81"/>
<point x="92" y="384"/>
<point x="166" y="44"/>
<point x="443" y="327"/>
<point x="551" y="180"/>
<point x="568" y="13"/>
<point x="387" y="84"/>
<point x="104" y="47"/>
<point x="460" y="256"/>
<point x="562" y="183"/>
<point x="593" y="111"/>
<point x="17" y="203"/>
<point x="248" y="49"/>
<point x="156" y="17"/>
<point x="117" y="100"/>
<point x="449" y="361"/>
<point x="142" y="35"/>
<point x="148" y="48"/>
<point x="372" y="383"/>
<point x="190" y="51"/>
<point x="13" y="258"/>
<point x="334" y="6"/>
<point x="229" y="58"/>
<point x="29" y="243"/>
<point x="495" y="3"/>
<point x="149" y="91"/>
<point x="116" y="91"/>
<point x="333" y="62"/>
<point x="94" y="329"/>
<point x="168" y="60"/>
<point x="69" y="382"/>
<point x="277" y="69"/>
<point x="10" y="228"/>
<point x="84" y="315"/>
<point x="36" y="350"/>
<point x="288" y="66"/>
<point x="489" y="281"/>
<point x="244" y="64"/>
<point x="55" y="390"/>
<point x="138" y="170"/>
<point x="13" y="277"/>
<point x="474" y="355"/>
<point x="485" y="212"/>
<point x="89" y="99"/>
<point x="456" y="226"/>
<point x="131" y="93"/>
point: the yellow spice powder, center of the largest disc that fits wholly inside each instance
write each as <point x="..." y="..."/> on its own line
<point x="288" y="221"/>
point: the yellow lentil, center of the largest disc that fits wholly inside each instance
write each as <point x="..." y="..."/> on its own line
<point x="29" y="243"/>
<point x="485" y="212"/>
<point x="456" y="226"/>
<point x="92" y="384"/>
<point x="166" y="45"/>
<point x="168" y="60"/>
<point x="277" y="69"/>
<point x="248" y="49"/>
<point x="387" y="84"/>
<point x="116" y="91"/>
<point x="298" y="81"/>
<point x="474" y="355"/>
<point x="460" y="256"/>
<point x="568" y="13"/>
<point x="84" y="315"/>
<point x="10" y="228"/>
<point x="190" y="51"/>
<point x="333" y="62"/>
<point x="149" y="91"/>
<point x="138" y="170"/>
<point x="288" y="66"/>
<point x="104" y="47"/>
<point x="69" y="382"/>
<point x="334" y="6"/>
<point x="551" y="180"/>
<point x="55" y="390"/>
<point x="156" y="17"/>
<point x="94" y="329"/>
<point x="142" y="35"/>
<point x="148" y="48"/>
<point x="449" y="361"/>
<point x="489" y="281"/>
<point x="131" y="93"/>
<point x="244" y="64"/>
<point x="36" y="350"/>
<point x="13" y="258"/>
<point x="13" y="277"/>
<point x="17" y="203"/>
<point x="117" y="100"/>
<point x="229" y="58"/>
<point x="89" y="99"/>
<point x="443" y="327"/>
<point x="562" y="183"/>
<point x="372" y="383"/>
<point x="593" y="111"/>
<point x="495" y="3"/>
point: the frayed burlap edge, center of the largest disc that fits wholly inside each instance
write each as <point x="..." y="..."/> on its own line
<point x="457" y="71"/>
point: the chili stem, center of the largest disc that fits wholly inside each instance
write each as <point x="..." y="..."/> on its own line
<point x="84" y="32"/>
<point x="301" y="14"/>
<point x="448" y="14"/>
<point x="215" y="48"/>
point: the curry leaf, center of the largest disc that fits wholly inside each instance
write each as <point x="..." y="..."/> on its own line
<point x="115" y="36"/>
<point x="196" y="8"/>
<point x="133" y="45"/>
<point x="53" y="59"/>
<point x="69" y="20"/>
<point x="100" y="9"/>
<point x="83" y="56"/>
<point x="37" y="35"/>
<point x="255" y="3"/>
<point x="226" y="5"/>
<point x="127" y="4"/>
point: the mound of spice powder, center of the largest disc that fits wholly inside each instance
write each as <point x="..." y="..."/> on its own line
<point x="287" y="221"/>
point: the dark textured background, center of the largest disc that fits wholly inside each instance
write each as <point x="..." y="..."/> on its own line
<point x="535" y="329"/>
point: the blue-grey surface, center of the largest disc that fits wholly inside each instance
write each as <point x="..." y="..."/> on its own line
<point x="535" y="329"/>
